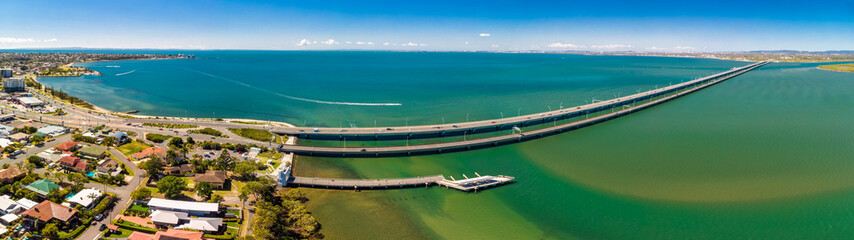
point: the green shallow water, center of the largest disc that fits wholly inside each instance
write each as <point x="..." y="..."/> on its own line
<point x="766" y="155"/>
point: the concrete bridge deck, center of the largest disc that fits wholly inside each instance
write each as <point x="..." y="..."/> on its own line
<point x="506" y="139"/>
<point x="459" y="129"/>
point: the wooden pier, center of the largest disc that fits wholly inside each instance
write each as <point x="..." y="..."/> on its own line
<point x="466" y="185"/>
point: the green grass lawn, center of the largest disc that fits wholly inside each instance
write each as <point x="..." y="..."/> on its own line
<point x="131" y="148"/>
<point x="257" y="134"/>
<point x="122" y="233"/>
<point x="137" y="207"/>
<point x="233" y="224"/>
<point x="273" y="155"/>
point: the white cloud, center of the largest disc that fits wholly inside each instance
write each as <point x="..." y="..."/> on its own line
<point x="348" y="42"/>
<point x="494" y="45"/>
<point x="563" y="45"/>
<point x="485" y="35"/>
<point x="25" y="40"/>
<point x="370" y="43"/>
<point x="409" y="44"/>
<point x="467" y="42"/>
<point x="611" y="46"/>
<point x="329" y="42"/>
<point x="385" y="44"/>
<point x="303" y="42"/>
<point x="360" y="43"/>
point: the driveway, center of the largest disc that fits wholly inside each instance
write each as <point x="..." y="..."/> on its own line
<point x="123" y="193"/>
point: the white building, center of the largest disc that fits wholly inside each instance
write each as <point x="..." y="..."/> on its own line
<point x="13" y="84"/>
<point x="86" y="197"/>
<point x="5" y="142"/>
<point x="5" y="72"/>
<point x="27" y="204"/>
<point x="30" y="101"/>
<point x="5" y="130"/>
<point x="181" y="220"/>
<point x="199" y="209"/>
<point x="53" y="130"/>
<point x="9" y="206"/>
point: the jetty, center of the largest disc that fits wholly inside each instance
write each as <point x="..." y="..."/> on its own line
<point x="473" y="184"/>
<point x="618" y="107"/>
<point x="466" y="185"/>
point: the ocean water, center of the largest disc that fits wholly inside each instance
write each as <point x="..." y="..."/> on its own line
<point x="766" y="155"/>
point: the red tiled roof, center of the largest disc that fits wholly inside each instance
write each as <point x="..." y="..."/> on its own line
<point x="66" y="146"/>
<point x="69" y="161"/>
<point x="152" y="150"/>
<point x="168" y="235"/>
<point x="211" y="177"/>
<point x="47" y="210"/>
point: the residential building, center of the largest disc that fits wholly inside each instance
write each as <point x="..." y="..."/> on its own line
<point x="53" y="130"/>
<point x="170" y="234"/>
<point x="74" y="163"/>
<point x="19" y="137"/>
<point x="67" y="147"/>
<point x="120" y="136"/>
<point x="26" y="203"/>
<point x="42" y="187"/>
<point x="7" y="219"/>
<point x="6" y="142"/>
<point x="11" y="174"/>
<point x="86" y="197"/>
<point x="5" y="72"/>
<point x="215" y="178"/>
<point x="182" y="220"/>
<point x="51" y="156"/>
<point x="13" y="84"/>
<point x="197" y="209"/>
<point x="182" y="169"/>
<point x="93" y="152"/>
<point x="5" y="130"/>
<point x="108" y="166"/>
<point x="9" y="206"/>
<point x="159" y="152"/>
<point x="47" y="210"/>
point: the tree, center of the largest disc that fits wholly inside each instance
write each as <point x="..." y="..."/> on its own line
<point x="224" y="162"/>
<point x="171" y="186"/>
<point x="204" y="190"/>
<point x="36" y="160"/>
<point x="50" y="231"/>
<point x="295" y="195"/>
<point x="216" y="198"/>
<point x="176" y="142"/>
<point x="37" y="140"/>
<point x="245" y="169"/>
<point x="110" y="141"/>
<point x="152" y="166"/>
<point x="141" y="194"/>
<point x="77" y="178"/>
<point x="191" y="141"/>
<point x="243" y="196"/>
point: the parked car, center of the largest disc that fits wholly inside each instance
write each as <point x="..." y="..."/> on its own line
<point x="99" y="217"/>
<point x="102" y="227"/>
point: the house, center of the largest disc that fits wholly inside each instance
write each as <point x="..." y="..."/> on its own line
<point x="6" y="142"/>
<point x="51" y="156"/>
<point x="215" y="178"/>
<point x="67" y="146"/>
<point x="86" y="197"/>
<point x="8" y="219"/>
<point x="9" y="206"/>
<point x="178" y="170"/>
<point x="42" y="186"/>
<point x="47" y="210"/>
<point x="182" y="220"/>
<point x="159" y="152"/>
<point x="26" y="203"/>
<point x="19" y="137"/>
<point x="5" y="130"/>
<point x="170" y="234"/>
<point x="120" y="136"/>
<point x="11" y="174"/>
<point x="52" y="130"/>
<point x="108" y="165"/>
<point x="93" y="152"/>
<point x="73" y="163"/>
<point x="197" y="209"/>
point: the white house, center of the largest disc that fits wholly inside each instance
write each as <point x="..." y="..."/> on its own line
<point x="9" y="206"/>
<point x="181" y="220"/>
<point x="53" y="130"/>
<point x="199" y="209"/>
<point x="86" y="197"/>
<point x="27" y="204"/>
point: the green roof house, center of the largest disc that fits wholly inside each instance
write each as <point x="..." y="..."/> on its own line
<point x="42" y="186"/>
<point x="93" y="152"/>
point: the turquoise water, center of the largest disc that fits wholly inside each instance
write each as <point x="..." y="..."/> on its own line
<point x="333" y="88"/>
<point x="91" y="174"/>
<point x="766" y="155"/>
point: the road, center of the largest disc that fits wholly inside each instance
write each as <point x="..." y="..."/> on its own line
<point x="123" y="194"/>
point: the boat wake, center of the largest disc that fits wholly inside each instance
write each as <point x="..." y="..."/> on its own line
<point x="126" y="73"/>
<point x="292" y="97"/>
<point x="112" y="66"/>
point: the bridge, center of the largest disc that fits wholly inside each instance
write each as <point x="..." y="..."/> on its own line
<point x="435" y="148"/>
<point x="475" y="127"/>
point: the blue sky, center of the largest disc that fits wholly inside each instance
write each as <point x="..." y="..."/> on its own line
<point x="676" y="26"/>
